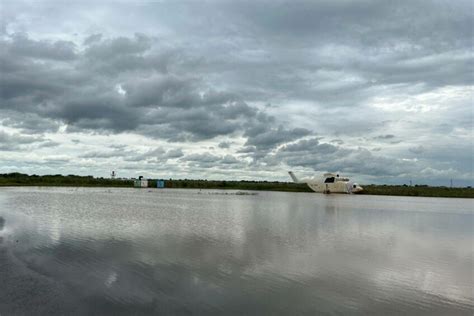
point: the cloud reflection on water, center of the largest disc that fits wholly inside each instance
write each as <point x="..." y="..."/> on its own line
<point x="277" y="252"/>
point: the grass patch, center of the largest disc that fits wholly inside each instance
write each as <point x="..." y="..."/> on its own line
<point x="19" y="179"/>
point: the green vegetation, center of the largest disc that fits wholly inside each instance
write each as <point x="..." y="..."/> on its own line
<point x="418" y="190"/>
<point x="236" y="185"/>
<point x="19" y="179"/>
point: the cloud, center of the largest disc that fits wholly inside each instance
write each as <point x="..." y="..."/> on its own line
<point x="29" y="123"/>
<point x="15" y="141"/>
<point x="174" y="153"/>
<point x="224" y="145"/>
<point x="112" y="48"/>
<point x="320" y="156"/>
<point x="366" y="75"/>
<point x="417" y="150"/>
<point x="98" y="154"/>
<point x="162" y="104"/>
<point x="21" y="46"/>
<point x="210" y="161"/>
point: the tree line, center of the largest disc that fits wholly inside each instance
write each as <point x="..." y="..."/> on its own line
<point x="20" y="179"/>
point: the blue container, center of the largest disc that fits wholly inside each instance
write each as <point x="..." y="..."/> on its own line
<point x="160" y="184"/>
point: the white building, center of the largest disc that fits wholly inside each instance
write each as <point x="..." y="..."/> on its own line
<point x="140" y="183"/>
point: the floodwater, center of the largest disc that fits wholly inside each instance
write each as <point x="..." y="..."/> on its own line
<point x="99" y="251"/>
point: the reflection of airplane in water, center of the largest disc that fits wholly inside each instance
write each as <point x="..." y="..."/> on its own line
<point x="330" y="183"/>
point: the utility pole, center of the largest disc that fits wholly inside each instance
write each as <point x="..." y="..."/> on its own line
<point x="451" y="183"/>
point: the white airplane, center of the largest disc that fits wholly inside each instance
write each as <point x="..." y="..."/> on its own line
<point x="329" y="183"/>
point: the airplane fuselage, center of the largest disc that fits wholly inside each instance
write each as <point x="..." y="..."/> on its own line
<point x="330" y="183"/>
<point x="336" y="187"/>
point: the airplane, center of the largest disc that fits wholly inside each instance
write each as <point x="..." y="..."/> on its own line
<point x="329" y="183"/>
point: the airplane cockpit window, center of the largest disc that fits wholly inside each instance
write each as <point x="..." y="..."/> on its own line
<point x="329" y="180"/>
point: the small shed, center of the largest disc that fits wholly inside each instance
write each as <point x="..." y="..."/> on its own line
<point x="140" y="183"/>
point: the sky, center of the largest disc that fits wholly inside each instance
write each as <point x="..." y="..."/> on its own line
<point x="381" y="91"/>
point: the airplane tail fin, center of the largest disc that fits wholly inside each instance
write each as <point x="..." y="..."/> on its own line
<point x="292" y="175"/>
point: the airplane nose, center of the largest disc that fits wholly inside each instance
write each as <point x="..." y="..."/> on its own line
<point x="356" y="188"/>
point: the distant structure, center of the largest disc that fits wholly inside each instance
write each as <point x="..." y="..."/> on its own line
<point x="140" y="182"/>
<point x="160" y="184"/>
<point x="113" y="174"/>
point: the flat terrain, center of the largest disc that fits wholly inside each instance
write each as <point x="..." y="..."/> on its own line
<point x="18" y="179"/>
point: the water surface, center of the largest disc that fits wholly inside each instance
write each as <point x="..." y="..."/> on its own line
<point x="131" y="251"/>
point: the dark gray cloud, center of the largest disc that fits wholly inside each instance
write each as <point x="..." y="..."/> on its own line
<point x="99" y="154"/>
<point x="19" y="142"/>
<point x="266" y="137"/>
<point x="337" y="52"/>
<point x="309" y="153"/>
<point x="22" y="46"/>
<point x="107" y="49"/>
<point x="211" y="161"/>
<point x="417" y="150"/>
<point x="120" y="152"/>
<point x="159" y="103"/>
<point x="174" y="153"/>
<point x="205" y="157"/>
<point x="6" y="138"/>
<point x="224" y="144"/>
<point x="29" y="123"/>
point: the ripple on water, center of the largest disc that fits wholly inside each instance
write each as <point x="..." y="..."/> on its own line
<point x="133" y="251"/>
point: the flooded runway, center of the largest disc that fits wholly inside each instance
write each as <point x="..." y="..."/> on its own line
<point x="122" y="251"/>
